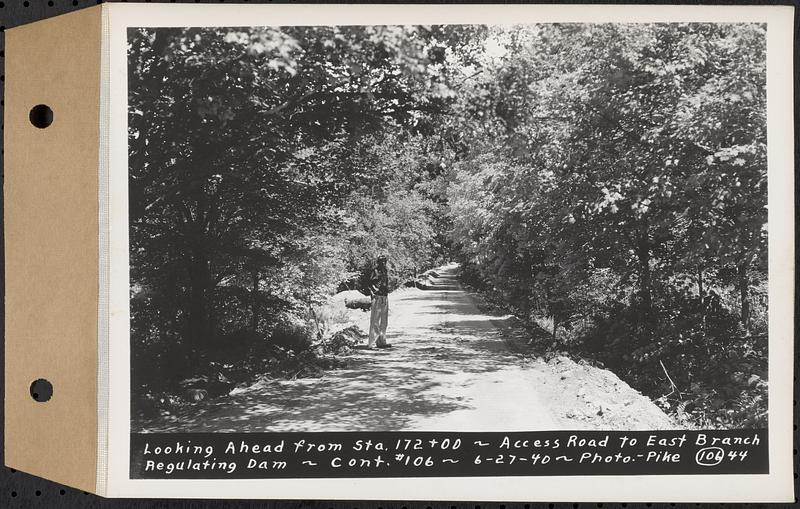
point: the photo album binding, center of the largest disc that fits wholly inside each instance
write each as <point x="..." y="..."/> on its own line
<point x="428" y="252"/>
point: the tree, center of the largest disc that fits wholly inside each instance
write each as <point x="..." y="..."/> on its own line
<point x="227" y="126"/>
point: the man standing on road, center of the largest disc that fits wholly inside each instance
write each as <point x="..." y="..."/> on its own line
<point x="379" y="290"/>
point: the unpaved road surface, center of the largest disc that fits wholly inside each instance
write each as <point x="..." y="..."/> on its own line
<point x="451" y="368"/>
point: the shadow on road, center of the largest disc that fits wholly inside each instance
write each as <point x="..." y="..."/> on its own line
<point x="442" y="344"/>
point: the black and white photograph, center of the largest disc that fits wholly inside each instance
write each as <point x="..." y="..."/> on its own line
<point x="375" y="228"/>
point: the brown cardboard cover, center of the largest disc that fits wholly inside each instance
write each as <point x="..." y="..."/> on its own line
<point x="51" y="246"/>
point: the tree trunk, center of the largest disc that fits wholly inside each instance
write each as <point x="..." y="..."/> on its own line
<point x="199" y="306"/>
<point x="700" y="286"/>
<point x="744" y="293"/>
<point x="255" y="301"/>
<point x="645" y="278"/>
<point x="701" y="293"/>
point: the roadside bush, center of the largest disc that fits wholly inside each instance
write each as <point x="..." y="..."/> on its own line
<point x="290" y="336"/>
<point x="695" y="360"/>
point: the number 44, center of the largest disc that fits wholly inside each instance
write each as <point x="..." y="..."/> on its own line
<point x="737" y="455"/>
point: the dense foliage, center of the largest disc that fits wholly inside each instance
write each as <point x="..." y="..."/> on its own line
<point x="607" y="182"/>
<point x="627" y="203"/>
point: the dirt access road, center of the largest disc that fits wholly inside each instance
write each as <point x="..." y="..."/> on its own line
<point x="451" y="368"/>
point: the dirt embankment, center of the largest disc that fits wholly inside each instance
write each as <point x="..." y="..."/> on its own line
<point x="595" y="398"/>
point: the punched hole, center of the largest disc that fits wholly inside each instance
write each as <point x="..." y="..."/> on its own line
<point x="41" y="116"/>
<point x="41" y="390"/>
